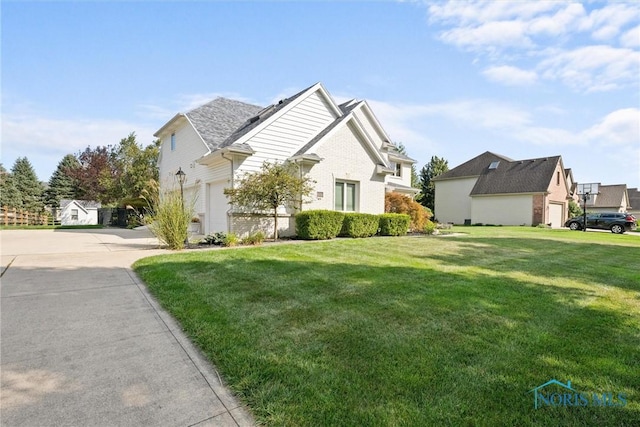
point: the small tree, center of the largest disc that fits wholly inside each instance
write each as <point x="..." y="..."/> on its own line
<point x="574" y="209"/>
<point x="275" y="185"/>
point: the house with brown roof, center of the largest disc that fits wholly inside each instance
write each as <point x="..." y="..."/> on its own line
<point x="494" y="189"/>
<point x="609" y="198"/>
<point x="343" y="148"/>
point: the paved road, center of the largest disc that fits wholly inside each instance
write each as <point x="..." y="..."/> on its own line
<point x="84" y="344"/>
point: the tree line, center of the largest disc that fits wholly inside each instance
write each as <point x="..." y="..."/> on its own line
<point x="111" y="175"/>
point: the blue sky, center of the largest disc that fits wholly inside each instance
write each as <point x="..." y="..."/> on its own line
<point x="451" y="79"/>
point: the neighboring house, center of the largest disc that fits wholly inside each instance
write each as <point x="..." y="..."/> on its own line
<point x="634" y="202"/>
<point x="610" y="198"/>
<point x="494" y="189"/>
<point x="78" y="212"/>
<point x="342" y="147"/>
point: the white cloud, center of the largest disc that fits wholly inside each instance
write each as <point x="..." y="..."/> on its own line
<point x="593" y="68"/>
<point x="507" y="31"/>
<point x="631" y="38"/>
<point x="45" y="140"/>
<point x="510" y="76"/>
<point x="618" y="128"/>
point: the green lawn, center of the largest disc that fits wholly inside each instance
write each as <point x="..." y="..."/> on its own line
<point x="417" y="331"/>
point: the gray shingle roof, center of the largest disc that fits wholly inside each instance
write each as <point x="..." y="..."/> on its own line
<point x="473" y="167"/>
<point x="609" y="196"/>
<point x="258" y="118"/>
<point x="523" y="176"/>
<point x="87" y="204"/>
<point x="218" y="119"/>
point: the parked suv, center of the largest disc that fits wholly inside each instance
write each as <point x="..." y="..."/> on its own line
<point x="617" y="222"/>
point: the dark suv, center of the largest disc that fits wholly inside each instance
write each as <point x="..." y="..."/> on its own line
<point x="617" y="222"/>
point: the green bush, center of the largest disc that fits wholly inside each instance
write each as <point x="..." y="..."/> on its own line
<point x="214" y="239"/>
<point x="430" y="227"/>
<point x="230" y="240"/>
<point x="254" y="239"/>
<point x="394" y="224"/>
<point x="359" y="225"/>
<point x="318" y="224"/>
<point x="169" y="220"/>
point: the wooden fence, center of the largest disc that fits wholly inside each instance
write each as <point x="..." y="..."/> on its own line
<point x="19" y="217"/>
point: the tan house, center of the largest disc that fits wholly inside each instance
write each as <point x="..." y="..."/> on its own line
<point x="494" y="189"/>
<point x="610" y="198"/>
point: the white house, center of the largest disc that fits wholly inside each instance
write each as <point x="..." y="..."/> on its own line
<point x="78" y="212"/>
<point x="494" y="189"/>
<point x="342" y="147"/>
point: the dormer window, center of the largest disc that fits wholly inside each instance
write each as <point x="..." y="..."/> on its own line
<point x="494" y="165"/>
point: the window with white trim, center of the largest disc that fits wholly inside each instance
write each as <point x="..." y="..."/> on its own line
<point x="345" y="196"/>
<point x="173" y="142"/>
<point x="74" y="214"/>
<point x="397" y="170"/>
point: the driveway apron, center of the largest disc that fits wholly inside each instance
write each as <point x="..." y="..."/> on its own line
<point x="83" y="343"/>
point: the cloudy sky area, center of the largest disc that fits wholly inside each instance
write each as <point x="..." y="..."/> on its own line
<point x="451" y="79"/>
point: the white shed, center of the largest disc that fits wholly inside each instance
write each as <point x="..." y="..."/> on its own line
<point x="78" y="212"/>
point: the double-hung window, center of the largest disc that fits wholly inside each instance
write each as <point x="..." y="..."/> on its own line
<point x="74" y="214"/>
<point x="345" y="196"/>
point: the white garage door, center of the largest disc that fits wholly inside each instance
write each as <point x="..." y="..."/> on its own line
<point x="218" y="207"/>
<point x="556" y="215"/>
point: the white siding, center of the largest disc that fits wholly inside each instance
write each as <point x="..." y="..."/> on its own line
<point x="288" y="133"/>
<point x="367" y="122"/>
<point x="345" y="158"/>
<point x="217" y="207"/>
<point x="502" y="210"/>
<point x="452" y="201"/>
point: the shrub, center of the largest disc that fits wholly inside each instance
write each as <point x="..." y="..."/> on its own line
<point x="214" y="239"/>
<point x="255" y="239"/>
<point x="398" y="203"/>
<point x="430" y="227"/>
<point x="359" y="225"/>
<point x="230" y="240"/>
<point x="169" y="220"/>
<point x="318" y="224"/>
<point x="394" y="224"/>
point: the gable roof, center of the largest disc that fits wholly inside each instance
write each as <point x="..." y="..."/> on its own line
<point x="82" y="204"/>
<point x="524" y="176"/>
<point x="259" y="117"/>
<point x="609" y="196"/>
<point x="215" y="121"/>
<point x="473" y="167"/>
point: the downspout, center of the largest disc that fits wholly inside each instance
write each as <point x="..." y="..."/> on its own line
<point x="229" y="211"/>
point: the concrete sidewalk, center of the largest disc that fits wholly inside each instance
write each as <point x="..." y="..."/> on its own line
<point x="84" y="344"/>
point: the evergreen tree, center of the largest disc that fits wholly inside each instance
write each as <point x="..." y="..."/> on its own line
<point x="435" y="167"/>
<point x="28" y="186"/>
<point x="9" y="194"/>
<point x="61" y="184"/>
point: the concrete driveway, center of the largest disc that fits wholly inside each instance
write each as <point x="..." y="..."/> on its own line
<point x="84" y="344"/>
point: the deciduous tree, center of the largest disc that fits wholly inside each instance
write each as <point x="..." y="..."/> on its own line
<point x="275" y="185"/>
